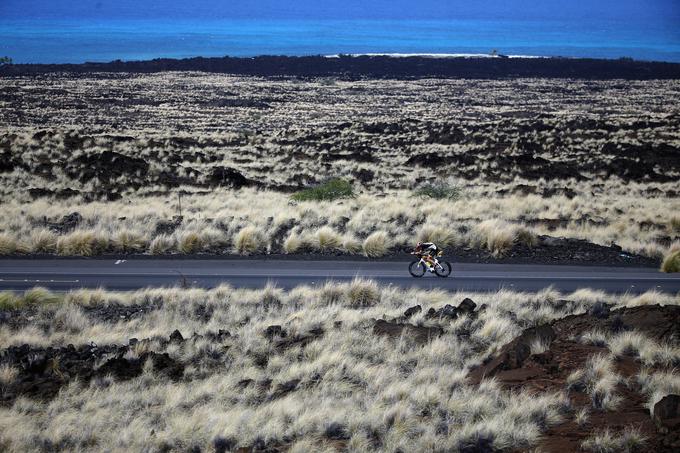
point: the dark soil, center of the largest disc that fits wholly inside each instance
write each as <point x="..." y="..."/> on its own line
<point x="43" y="371"/>
<point x="516" y="368"/>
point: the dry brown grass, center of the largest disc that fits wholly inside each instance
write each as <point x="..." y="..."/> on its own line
<point x="362" y="384"/>
<point x="499" y="206"/>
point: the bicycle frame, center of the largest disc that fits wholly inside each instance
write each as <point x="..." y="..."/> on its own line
<point x="435" y="262"/>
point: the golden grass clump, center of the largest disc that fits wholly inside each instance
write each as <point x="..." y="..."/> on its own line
<point x="249" y="240"/>
<point x="351" y="245"/>
<point x="443" y="237"/>
<point x="326" y="239"/>
<point x="674" y="225"/>
<point x="376" y="245"/>
<point x="194" y="241"/>
<point x="671" y="262"/>
<point x="498" y="236"/>
<point x="42" y="241"/>
<point x="7" y="376"/>
<point x="8" y="244"/>
<point x="162" y="244"/>
<point x="83" y="243"/>
<point x="363" y="293"/>
<point x="293" y="243"/>
<point x="129" y="241"/>
<point x="34" y="296"/>
<point x="606" y="441"/>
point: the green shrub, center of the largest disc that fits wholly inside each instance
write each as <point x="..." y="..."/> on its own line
<point x="329" y="190"/>
<point x="672" y="262"/>
<point x="9" y="301"/>
<point x="438" y="191"/>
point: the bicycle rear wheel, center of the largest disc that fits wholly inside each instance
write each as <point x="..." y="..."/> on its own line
<point x="416" y="268"/>
<point x="443" y="270"/>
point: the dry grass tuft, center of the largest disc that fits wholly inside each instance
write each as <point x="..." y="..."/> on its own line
<point x="293" y="243"/>
<point x="162" y="244"/>
<point x="190" y="242"/>
<point x="497" y="236"/>
<point x="443" y="237"/>
<point x="628" y="441"/>
<point x="671" y="262"/>
<point x="599" y="379"/>
<point x="327" y="240"/>
<point x="351" y="245"/>
<point x="32" y="297"/>
<point x="249" y="240"/>
<point x="363" y="293"/>
<point x="42" y="241"/>
<point x="376" y="245"/>
<point x="8" y="244"/>
<point x="83" y="243"/>
<point x="129" y="241"/>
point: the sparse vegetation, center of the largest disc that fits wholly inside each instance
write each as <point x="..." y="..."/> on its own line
<point x="628" y="441"/>
<point x="671" y="262"/>
<point x="599" y="380"/>
<point x="31" y="297"/>
<point x="241" y="161"/>
<point x="249" y="240"/>
<point x="363" y="293"/>
<point x="376" y="245"/>
<point x="390" y="387"/>
<point x="327" y="240"/>
<point x="333" y="189"/>
<point x="439" y="191"/>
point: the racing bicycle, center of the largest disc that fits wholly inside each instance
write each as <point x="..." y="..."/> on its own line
<point x="418" y="267"/>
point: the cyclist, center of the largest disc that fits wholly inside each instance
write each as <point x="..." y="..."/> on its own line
<point x="428" y="250"/>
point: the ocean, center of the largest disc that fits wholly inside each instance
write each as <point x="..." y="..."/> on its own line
<point x="96" y="39"/>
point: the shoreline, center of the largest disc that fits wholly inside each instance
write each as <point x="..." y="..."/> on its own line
<point x="350" y="67"/>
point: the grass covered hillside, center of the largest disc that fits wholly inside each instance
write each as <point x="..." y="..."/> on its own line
<point x="481" y="164"/>
<point x="339" y="367"/>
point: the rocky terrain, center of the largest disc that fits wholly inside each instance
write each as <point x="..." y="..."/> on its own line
<point x="129" y="133"/>
<point x="144" y="158"/>
<point x="385" y="370"/>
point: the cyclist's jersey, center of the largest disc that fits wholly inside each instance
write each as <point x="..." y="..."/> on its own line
<point x="430" y="248"/>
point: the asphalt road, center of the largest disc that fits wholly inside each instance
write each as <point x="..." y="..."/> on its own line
<point x="62" y="275"/>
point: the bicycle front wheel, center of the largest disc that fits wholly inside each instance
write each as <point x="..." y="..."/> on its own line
<point x="417" y="268"/>
<point x="443" y="270"/>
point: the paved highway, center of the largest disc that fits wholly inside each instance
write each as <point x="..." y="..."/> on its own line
<point x="65" y="274"/>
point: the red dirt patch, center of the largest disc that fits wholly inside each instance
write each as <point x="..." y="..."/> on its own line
<point x="548" y="371"/>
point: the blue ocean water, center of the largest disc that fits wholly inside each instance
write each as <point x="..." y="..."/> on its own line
<point x="44" y="35"/>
